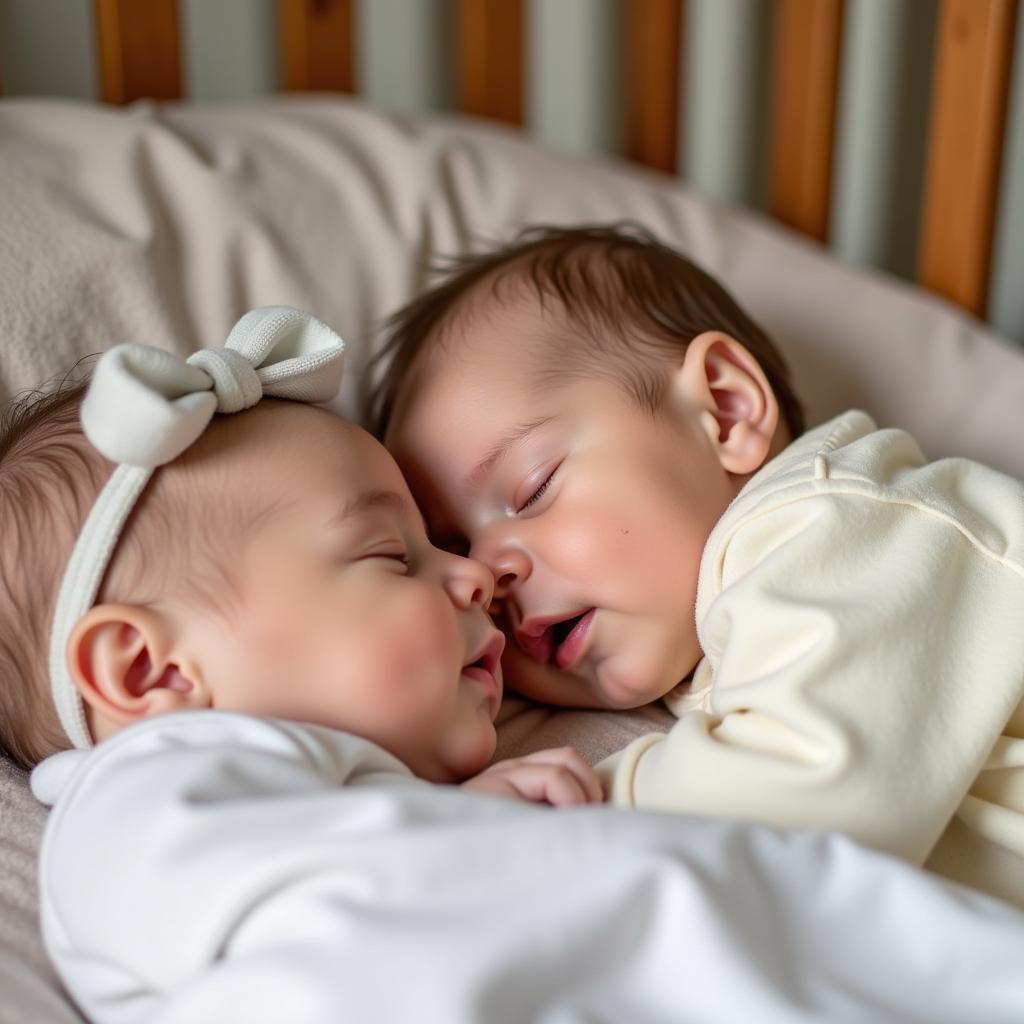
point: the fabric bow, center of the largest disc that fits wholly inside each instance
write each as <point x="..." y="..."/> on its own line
<point x="143" y="408"/>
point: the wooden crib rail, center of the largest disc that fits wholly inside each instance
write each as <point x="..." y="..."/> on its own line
<point x="139" y="55"/>
<point x="138" y="50"/>
<point x="968" y="114"/>
<point x="805" y="67"/>
<point x="316" y="43"/>
<point x="652" y="42"/>
<point x="489" y="49"/>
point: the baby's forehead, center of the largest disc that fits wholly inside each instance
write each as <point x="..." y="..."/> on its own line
<point x="276" y="428"/>
<point x="506" y="301"/>
<point x="284" y="450"/>
<point x="501" y="324"/>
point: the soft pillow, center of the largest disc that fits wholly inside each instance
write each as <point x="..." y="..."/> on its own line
<point x="162" y="225"/>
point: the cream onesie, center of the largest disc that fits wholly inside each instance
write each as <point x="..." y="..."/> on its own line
<point x="861" y="611"/>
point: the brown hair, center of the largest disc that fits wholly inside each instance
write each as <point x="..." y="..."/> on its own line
<point x="49" y="477"/>
<point x="628" y="297"/>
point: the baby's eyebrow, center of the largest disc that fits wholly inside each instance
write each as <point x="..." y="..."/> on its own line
<point x="501" y="448"/>
<point x="369" y="501"/>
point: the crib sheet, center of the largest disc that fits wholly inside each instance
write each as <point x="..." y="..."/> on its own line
<point x="162" y="224"/>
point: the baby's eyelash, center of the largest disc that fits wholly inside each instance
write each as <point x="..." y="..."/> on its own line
<point x="402" y="557"/>
<point x="539" y="492"/>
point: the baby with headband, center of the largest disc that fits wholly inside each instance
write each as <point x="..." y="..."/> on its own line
<point x="270" y="563"/>
<point x="264" y="574"/>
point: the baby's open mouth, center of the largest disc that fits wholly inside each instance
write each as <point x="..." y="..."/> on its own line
<point x="560" y="630"/>
<point x="555" y="640"/>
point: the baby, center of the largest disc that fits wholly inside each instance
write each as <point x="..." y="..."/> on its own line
<point x="837" y="624"/>
<point x="264" y="575"/>
<point x="275" y="565"/>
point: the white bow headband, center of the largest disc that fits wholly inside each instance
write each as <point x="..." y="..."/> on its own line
<point x="143" y="408"/>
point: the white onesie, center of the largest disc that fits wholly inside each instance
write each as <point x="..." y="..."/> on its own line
<point x="211" y="868"/>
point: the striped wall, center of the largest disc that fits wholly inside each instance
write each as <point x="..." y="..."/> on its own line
<point x="577" y="59"/>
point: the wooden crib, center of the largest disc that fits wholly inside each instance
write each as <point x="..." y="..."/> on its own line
<point x="139" y="55"/>
<point x="164" y="224"/>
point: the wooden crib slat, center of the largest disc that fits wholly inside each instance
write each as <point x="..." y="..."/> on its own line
<point x="805" y="72"/>
<point x="974" y="50"/>
<point x="490" y="58"/>
<point x="138" y="50"/>
<point x="316" y="39"/>
<point x="652" y="44"/>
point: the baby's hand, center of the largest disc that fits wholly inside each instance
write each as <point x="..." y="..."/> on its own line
<point x="557" y="777"/>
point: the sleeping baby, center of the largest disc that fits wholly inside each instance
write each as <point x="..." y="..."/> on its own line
<point x="837" y="623"/>
<point x="258" y="568"/>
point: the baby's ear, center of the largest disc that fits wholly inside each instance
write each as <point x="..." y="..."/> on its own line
<point x="122" y="662"/>
<point x="739" y="408"/>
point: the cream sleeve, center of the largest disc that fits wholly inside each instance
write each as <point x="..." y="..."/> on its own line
<point x="857" y="674"/>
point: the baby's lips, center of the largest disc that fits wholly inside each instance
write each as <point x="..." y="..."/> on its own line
<point x="492" y="653"/>
<point x="536" y="647"/>
<point x="488" y="657"/>
<point x="536" y="635"/>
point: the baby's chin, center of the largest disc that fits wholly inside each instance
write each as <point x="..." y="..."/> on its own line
<point x="625" y="684"/>
<point x="454" y="767"/>
<point x="629" y="696"/>
<point x="620" y="688"/>
<point x="607" y="690"/>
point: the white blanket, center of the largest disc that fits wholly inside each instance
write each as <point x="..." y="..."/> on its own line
<point x="210" y="867"/>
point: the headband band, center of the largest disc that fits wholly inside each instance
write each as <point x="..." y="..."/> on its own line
<point x="142" y="409"/>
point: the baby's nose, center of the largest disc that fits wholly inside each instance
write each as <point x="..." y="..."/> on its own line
<point x="469" y="582"/>
<point x="510" y="568"/>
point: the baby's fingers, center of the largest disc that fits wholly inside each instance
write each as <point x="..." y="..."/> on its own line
<point x="570" y="760"/>
<point x="548" y="784"/>
<point x="565" y="789"/>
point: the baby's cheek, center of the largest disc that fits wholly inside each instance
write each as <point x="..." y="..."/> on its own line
<point x="604" y="532"/>
<point x="423" y="639"/>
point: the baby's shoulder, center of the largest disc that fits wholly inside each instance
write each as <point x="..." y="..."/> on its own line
<point x="850" y="482"/>
<point x="850" y="457"/>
